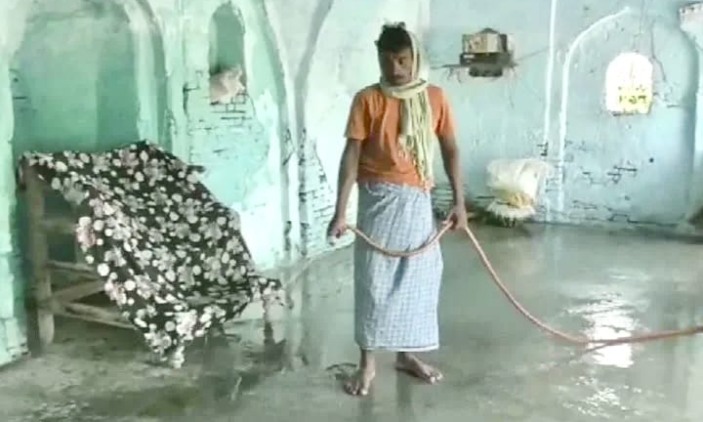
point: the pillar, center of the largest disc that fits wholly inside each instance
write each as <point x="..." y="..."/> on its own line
<point x="691" y="20"/>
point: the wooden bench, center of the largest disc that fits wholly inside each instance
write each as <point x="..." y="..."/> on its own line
<point x="59" y="286"/>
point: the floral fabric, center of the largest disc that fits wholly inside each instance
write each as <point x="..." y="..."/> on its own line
<point x="172" y="257"/>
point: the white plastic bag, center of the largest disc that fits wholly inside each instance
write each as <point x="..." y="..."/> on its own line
<point x="515" y="184"/>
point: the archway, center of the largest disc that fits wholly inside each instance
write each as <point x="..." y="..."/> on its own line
<point x="79" y="93"/>
<point x="238" y="145"/>
<point x="237" y="139"/>
<point x="226" y="43"/>
<point x="627" y="167"/>
<point x="87" y="76"/>
<point x="103" y="86"/>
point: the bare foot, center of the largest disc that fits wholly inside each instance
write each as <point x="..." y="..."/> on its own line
<point x="413" y="366"/>
<point x="360" y="383"/>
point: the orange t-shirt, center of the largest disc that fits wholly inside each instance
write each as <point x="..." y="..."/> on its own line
<point x="374" y="120"/>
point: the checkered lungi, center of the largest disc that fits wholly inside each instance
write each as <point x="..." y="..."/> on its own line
<point x="396" y="298"/>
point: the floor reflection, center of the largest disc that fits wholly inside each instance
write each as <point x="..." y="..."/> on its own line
<point x="232" y="365"/>
<point x="609" y="325"/>
<point x="404" y="399"/>
<point x="497" y="367"/>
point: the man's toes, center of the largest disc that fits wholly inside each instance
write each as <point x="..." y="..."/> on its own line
<point x="358" y="385"/>
<point x="434" y="375"/>
<point x="364" y="383"/>
<point x="421" y="370"/>
<point x="352" y="386"/>
<point x="427" y="376"/>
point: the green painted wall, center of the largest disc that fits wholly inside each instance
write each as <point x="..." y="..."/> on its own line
<point x="79" y="93"/>
<point x="76" y="94"/>
<point x="82" y="92"/>
<point x="96" y="75"/>
<point x="241" y="144"/>
<point x="12" y="317"/>
<point x="80" y="75"/>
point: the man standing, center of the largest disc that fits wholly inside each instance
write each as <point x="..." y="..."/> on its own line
<point x="391" y="133"/>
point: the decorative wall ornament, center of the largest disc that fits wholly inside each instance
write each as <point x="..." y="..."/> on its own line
<point x="629" y="84"/>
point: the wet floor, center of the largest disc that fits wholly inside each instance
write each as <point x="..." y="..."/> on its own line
<point x="497" y="366"/>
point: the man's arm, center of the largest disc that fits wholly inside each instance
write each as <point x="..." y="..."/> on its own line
<point x="348" y="169"/>
<point x="356" y="132"/>
<point x="452" y="166"/>
<point x="450" y="150"/>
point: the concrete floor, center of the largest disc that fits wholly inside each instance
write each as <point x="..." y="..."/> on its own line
<point x="497" y="366"/>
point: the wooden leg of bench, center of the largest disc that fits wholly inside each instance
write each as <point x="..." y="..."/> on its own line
<point x="45" y="315"/>
<point x="39" y="257"/>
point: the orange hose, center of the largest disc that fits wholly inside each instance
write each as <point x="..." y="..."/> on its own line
<point x="513" y="301"/>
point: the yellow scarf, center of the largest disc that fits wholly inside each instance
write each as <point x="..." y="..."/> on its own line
<point x="417" y="137"/>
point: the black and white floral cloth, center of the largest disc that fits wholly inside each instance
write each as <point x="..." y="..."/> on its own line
<point x="172" y="257"/>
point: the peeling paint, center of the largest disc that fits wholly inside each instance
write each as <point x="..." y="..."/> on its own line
<point x="241" y="144"/>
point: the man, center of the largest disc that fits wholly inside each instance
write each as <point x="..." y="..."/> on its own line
<point x="392" y="131"/>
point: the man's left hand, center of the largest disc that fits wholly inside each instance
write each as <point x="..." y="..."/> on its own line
<point x="459" y="218"/>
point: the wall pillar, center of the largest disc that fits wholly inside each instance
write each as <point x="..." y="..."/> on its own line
<point x="691" y="18"/>
<point x="13" y="337"/>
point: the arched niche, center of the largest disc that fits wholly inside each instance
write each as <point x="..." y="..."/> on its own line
<point x="74" y="83"/>
<point x="226" y="54"/>
<point x="87" y="76"/>
<point x="612" y="168"/>
<point x="629" y="84"/>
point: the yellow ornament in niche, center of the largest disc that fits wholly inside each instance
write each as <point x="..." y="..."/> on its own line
<point x="635" y="99"/>
<point x="629" y="84"/>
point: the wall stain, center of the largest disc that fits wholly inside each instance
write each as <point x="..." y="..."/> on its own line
<point x="288" y="148"/>
<point x="617" y="172"/>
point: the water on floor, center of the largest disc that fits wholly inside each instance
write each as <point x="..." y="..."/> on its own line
<point x="497" y="366"/>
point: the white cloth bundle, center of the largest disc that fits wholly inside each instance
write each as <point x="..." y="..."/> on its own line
<point x="515" y="184"/>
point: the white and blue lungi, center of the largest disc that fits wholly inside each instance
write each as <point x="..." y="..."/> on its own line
<point x="396" y="298"/>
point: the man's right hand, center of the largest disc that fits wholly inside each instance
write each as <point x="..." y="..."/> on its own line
<point x="337" y="227"/>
